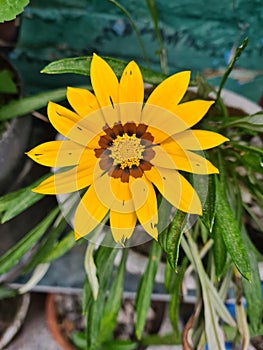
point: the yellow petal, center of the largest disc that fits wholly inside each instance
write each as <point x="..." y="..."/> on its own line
<point x="162" y="123"/>
<point x="145" y="203"/>
<point x="170" y="92"/>
<point x="104" y="82"/>
<point x="122" y="225"/>
<point x="172" y="157"/>
<point x="82" y="101"/>
<point x="198" y="139"/>
<point x="90" y="212"/>
<point x="114" y="194"/>
<point x="83" y="131"/>
<point x="131" y="93"/>
<point x="176" y="189"/>
<point x="57" y="153"/>
<point x="191" y="112"/>
<point x="72" y="180"/>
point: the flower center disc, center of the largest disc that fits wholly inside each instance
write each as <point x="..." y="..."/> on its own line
<point x="127" y="151"/>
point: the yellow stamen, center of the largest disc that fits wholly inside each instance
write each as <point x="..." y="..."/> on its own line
<point x="127" y="151"/>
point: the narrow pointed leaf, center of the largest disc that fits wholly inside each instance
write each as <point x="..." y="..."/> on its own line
<point x="18" y="108"/>
<point x="252" y="289"/>
<point x="230" y="231"/>
<point x="219" y="250"/>
<point x="13" y="256"/>
<point x="144" y="291"/>
<point x="113" y="303"/>
<point x="81" y="65"/>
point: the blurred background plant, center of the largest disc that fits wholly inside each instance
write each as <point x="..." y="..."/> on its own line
<point x="221" y="251"/>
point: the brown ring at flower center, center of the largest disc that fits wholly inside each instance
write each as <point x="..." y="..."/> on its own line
<point x="125" y="150"/>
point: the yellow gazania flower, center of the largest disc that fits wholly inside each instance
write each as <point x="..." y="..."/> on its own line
<point x="122" y="150"/>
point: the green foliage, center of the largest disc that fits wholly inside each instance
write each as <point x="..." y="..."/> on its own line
<point x="144" y="291"/>
<point x="94" y="309"/>
<point x="230" y="230"/>
<point x="7" y="85"/>
<point x="18" y="108"/>
<point x="11" y="8"/>
<point x="16" y="202"/>
<point x="13" y="255"/>
<point x="172" y="239"/>
<point x="81" y="65"/>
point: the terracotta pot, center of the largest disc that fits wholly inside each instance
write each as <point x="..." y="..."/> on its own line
<point x="124" y="327"/>
<point x="53" y="326"/>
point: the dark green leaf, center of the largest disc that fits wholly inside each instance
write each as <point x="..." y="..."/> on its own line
<point x="208" y="216"/>
<point x="7" y="85"/>
<point x="18" y="108"/>
<point x="81" y="65"/>
<point x="173" y="238"/>
<point x="113" y="303"/>
<point x="144" y="291"/>
<point x="11" y="8"/>
<point x="16" y="202"/>
<point x="230" y="231"/>
<point x="175" y="298"/>
<point x="13" y="256"/>
<point x="252" y="289"/>
<point x="219" y="250"/>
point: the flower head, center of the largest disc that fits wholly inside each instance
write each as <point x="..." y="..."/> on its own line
<point x="122" y="150"/>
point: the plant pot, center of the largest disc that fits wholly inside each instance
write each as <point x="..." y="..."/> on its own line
<point x="14" y="135"/>
<point x="64" y="316"/>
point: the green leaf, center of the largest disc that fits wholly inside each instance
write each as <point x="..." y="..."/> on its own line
<point x="11" y="8"/>
<point x="61" y="247"/>
<point x="120" y="345"/>
<point x="175" y="298"/>
<point x="230" y="66"/>
<point x="230" y="231"/>
<point x="173" y="238"/>
<point x="7" y="85"/>
<point x="144" y="291"/>
<point x="219" y="250"/>
<point x="79" y="340"/>
<point x="16" y="202"/>
<point x="91" y="270"/>
<point x="252" y="289"/>
<point x="46" y="244"/>
<point x="13" y="256"/>
<point x="104" y="259"/>
<point x="252" y="122"/>
<point x="113" y="304"/>
<point x="18" y="108"/>
<point x="208" y="216"/>
<point x="81" y="65"/>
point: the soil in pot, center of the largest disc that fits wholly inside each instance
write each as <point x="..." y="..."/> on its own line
<point x="64" y="317"/>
